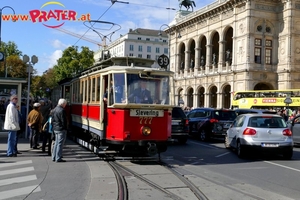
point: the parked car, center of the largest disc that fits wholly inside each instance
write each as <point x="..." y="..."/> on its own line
<point x="264" y="132"/>
<point x="294" y="126"/>
<point x="179" y="125"/>
<point x="206" y="123"/>
<point x="241" y="111"/>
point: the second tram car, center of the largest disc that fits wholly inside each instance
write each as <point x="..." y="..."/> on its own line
<point x="122" y="104"/>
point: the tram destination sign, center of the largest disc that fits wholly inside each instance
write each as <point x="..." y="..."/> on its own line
<point x="146" y="113"/>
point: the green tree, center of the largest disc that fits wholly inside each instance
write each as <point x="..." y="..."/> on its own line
<point x="72" y="62"/>
<point x="16" y="67"/>
<point x="10" y="48"/>
<point x="12" y="61"/>
<point x="50" y="82"/>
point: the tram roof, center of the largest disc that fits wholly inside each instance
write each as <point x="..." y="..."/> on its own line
<point x="119" y="63"/>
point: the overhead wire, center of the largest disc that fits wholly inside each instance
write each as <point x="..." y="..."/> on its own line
<point x="113" y="2"/>
<point x="94" y="23"/>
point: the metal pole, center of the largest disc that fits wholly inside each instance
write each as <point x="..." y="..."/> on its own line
<point x="0" y="24"/>
<point x="169" y="43"/>
<point x="0" y="32"/>
<point x="28" y="92"/>
<point x="169" y="36"/>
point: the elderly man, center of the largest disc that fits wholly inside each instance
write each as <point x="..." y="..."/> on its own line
<point x="60" y="127"/>
<point x="35" y="120"/>
<point x="11" y="124"/>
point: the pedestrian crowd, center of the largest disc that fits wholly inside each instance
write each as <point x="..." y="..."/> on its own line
<point x="45" y="123"/>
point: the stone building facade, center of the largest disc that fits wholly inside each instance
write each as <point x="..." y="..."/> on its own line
<point x="234" y="45"/>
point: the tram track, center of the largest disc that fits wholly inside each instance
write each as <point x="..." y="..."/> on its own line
<point x="118" y="166"/>
<point x="198" y="193"/>
<point x="184" y="175"/>
<point x="121" y="171"/>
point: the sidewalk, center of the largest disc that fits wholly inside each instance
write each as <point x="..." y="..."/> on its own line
<point x="23" y="144"/>
<point x="83" y="176"/>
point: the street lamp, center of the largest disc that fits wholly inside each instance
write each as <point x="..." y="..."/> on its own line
<point x="2" y="56"/>
<point x="31" y="62"/>
<point x="169" y="40"/>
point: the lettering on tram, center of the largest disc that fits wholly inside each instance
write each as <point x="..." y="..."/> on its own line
<point x="148" y="113"/>
<point x="266" y="99"/>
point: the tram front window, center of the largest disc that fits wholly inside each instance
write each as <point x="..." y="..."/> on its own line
<point x="154" y="90"/>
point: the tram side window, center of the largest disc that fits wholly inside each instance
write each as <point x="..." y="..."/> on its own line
<point x="297" y="93"/>
<point x="93" y="89"/>
<point x="118" y="87"/>
<point x="77" y="91"/>
<point x="98" y="89"/>
<point x="81" y="91"/>
<point x="86" y="91"/>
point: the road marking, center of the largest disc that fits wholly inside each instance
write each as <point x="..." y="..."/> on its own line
<point x="18" y="192"/>
<point x="223" y="154"/>
<point x="297" y="170"/>
<point x="15" y="171"/>
<point x="204" y="145"/>
<point x="15" y="163"/>
<point x="20" y="179"/>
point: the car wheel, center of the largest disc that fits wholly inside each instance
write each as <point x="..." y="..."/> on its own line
<point x="240" y="151"/>
<point x="182" y="140"/>
<point x="226" y="143"/>
<point x="203" y="135"/>
<point x="288" y="154"/>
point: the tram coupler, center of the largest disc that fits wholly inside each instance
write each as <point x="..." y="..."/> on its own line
<point x="151" y="149"/>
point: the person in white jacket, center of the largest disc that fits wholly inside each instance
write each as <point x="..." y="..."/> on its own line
<point x="11" y="124"/>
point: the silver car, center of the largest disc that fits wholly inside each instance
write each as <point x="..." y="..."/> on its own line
<point x="265" y="132"/>
<point x="294" y="125"/>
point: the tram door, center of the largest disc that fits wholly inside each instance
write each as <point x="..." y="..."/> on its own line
<point x="105" y="99"/>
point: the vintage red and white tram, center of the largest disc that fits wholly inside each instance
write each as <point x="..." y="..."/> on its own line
<point x="125" y="122"/>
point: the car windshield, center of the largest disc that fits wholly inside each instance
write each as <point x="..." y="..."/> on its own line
<point x="267" y="122"/>
<point x="225" y="115"/>
<point x="178" y="113"/>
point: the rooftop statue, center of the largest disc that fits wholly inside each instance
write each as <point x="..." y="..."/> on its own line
<point x="187" y="3"/>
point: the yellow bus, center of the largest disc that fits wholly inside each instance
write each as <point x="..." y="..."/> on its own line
<point x="266" y="99"/>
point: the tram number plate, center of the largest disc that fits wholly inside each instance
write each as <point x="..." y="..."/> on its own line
<point x="146" y="113"/>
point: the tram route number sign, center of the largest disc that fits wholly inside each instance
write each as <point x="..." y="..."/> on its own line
<point x="163" y="61"/>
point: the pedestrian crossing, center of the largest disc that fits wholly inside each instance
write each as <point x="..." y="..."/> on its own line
<point x="17" y="179"/>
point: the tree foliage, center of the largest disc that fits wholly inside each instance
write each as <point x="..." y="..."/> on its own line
<point x="72" y="62"/>
<point x="10" y="48"/>
<point x="15" y="66"/>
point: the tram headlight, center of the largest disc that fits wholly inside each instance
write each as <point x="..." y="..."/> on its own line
<point x="145" y="130"/>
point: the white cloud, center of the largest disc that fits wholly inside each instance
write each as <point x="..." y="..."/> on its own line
<point x="54" y="57"/>
<point x="58" y="44"/>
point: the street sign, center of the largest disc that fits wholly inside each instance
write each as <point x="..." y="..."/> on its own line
<point x="288" y="100"/>
<point x="163" y="61"/>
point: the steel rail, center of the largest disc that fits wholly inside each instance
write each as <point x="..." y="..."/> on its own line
<point x="122" y="186"/>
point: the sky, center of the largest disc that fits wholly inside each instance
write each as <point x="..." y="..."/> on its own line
<point x="43" y="39"/>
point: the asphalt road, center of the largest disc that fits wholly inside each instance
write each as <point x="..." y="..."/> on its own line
<point x="216" y="171"/>
<point x="222" y="175"/>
